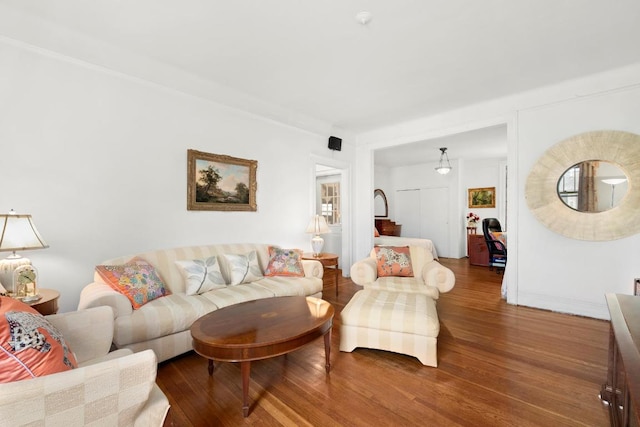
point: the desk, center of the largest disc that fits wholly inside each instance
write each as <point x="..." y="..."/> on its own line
<point x="328" y="261"/>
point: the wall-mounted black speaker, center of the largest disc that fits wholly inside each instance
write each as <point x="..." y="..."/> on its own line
<point x="335" y="143"/>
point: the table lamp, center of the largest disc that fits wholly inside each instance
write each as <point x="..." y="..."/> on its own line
<point x="17" y="232"/>
<point x="318" y="225"/>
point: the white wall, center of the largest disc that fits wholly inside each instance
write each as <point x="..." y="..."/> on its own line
<point x="556" y="272"/>
<point x="544" y="270"/>
<point x="100" y="161"/>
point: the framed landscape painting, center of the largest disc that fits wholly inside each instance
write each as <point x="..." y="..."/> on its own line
<point x="482" y="197"/>
<point x="217" y="182"/>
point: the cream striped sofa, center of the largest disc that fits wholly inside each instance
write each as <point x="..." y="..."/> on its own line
<point x="162" y="325"/>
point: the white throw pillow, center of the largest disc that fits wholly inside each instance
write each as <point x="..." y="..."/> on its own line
<point x="244" y="268"/>
<point x="201" y="275"/>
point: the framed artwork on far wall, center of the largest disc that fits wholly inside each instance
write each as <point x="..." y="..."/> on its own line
<point x="482" y="197"/>
<point x="216" y="182"/>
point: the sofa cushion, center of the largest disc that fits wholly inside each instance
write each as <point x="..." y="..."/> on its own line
<point x="243" y="268"/>
<point x="137" y="280"/>
<point x="289" y="286"/>
<point x="237" y="294"/>
<point x="403" y="284"/>
<point x="163" y="316"/>
<point x="30" y="346"/>
<point x="393" y="261"/>
<point x="201" y="275"/>
<point x="284" y="262"/>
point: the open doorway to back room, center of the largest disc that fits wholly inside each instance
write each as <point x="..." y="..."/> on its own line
<point x="432" y="206"/>
<point x="330" y="202"/>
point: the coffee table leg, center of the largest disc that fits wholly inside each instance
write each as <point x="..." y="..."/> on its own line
<point x="210" y="367"/>
<point x="327" y="350"/>
<point x="245" y="369"/>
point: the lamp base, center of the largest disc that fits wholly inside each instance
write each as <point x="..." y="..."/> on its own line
<point x="316" y="244"/>
<point x="7" y="267"/>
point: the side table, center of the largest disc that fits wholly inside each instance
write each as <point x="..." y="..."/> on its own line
<point x="328" y="260"/>
<point x="48" y="304"/>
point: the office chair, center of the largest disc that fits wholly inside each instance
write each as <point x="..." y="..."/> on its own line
<point x="497" y="249"/>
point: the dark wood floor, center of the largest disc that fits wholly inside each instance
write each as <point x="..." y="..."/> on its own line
<point x="499" y="365"/>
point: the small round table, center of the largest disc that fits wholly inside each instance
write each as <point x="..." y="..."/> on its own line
<point x="48" y="304"/>
<point x="328" y="260"/>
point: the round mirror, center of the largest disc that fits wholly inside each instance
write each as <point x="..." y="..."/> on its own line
<point x="380" y="206"/>
<point x="592" y="186"/>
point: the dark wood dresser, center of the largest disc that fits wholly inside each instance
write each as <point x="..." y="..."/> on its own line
<point x="386" y="227"/>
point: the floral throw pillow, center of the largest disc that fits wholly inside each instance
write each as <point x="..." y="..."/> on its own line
<point x="284" y="262"/>
<point x="201" y="275"/>
<point x="393" y="261"/>
<point x="30" y="346"/>
<point x="137" y="280"/>
<point x="244" y="268"/>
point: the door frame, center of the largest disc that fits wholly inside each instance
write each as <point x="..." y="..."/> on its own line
<point x="344" y="170"/>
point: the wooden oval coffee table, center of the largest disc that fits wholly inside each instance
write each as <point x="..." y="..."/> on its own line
<point x="261" y="329"/>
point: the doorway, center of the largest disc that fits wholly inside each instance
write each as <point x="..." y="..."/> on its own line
<point x="330" y="200"/>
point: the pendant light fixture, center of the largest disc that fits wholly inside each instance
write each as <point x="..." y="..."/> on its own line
<point x="442" y="168"/>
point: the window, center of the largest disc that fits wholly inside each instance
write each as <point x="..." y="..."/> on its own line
<point x="568" y="187"/>
<point x="330" y="202"/>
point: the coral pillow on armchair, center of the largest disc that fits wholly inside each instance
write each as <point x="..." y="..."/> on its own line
<point x="30" y="346"/>
<point x="393" y="261"/>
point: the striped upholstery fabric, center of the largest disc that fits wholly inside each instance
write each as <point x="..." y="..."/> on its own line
<point x="401" y="322"/>
<point x="163" y="316"/>
<point x="285" y="287"/>
<point x="430" y="277"/>
<point x="111" y="393"/>
<point x="403" y="284"/>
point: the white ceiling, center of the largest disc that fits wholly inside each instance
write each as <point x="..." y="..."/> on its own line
<point x="312" y="58"/>
<point x="487" y="143"/>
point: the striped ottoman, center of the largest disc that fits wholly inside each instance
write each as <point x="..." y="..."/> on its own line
<point x="401" y="322"/>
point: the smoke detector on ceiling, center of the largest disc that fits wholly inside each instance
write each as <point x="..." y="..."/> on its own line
<point x="363" y="17"/>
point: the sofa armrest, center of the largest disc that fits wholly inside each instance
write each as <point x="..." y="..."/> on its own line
<point x="108" y="393"/>
<point x="89" y="332"/>
<point x="439" y="276"/>
<point x="364" y="271"/>
<point x="97" y="294"/>
<point x="312" y="268"/>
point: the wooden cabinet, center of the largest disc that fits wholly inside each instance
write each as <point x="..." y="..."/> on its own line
<point x="477" y="250"/>
<point x="386" y="227"/>
<point x="621" y="392"/>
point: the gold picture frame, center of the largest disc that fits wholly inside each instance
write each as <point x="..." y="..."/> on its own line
<point x="482" y="197"/>
<point x="216" y="182"/>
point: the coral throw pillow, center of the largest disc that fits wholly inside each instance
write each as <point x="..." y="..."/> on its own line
<point x="244" y="268"/>
<point x="201" y="275"/>
<point x="30" y="346"/>
<point x="284" y="262"/>
<point x="393" y="261"/>
<point x="137" y="280"/>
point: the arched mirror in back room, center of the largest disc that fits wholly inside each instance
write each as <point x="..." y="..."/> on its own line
<point x="329" y="203"/>
<point x="428" y="205"/>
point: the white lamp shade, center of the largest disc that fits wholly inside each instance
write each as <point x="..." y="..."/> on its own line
<point x="18" y="233"/>
<point x="318" y="225"/>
